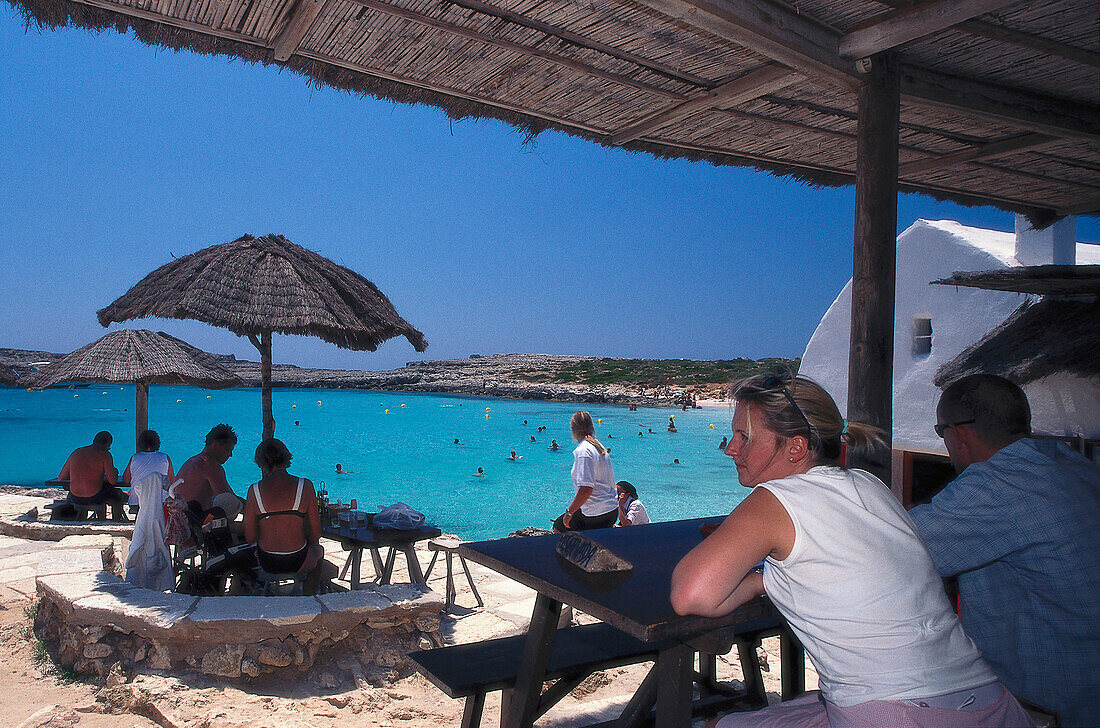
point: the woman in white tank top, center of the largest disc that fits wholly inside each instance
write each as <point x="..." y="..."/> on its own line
<point x="845" y="566"/>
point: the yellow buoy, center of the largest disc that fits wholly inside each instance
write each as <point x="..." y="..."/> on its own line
<point x="318" y="401"/>
<point x="179" y="400"/>
<point x="208" y="396"/>
<point x="387" y="411"/>
<point x="486" y="415"/>
<point x="105" y="393"/>
<point x="600" y="420"/>
<point x="486" y="409"/>
<point x="712" y="427"/>
<point x="402" y="405"/>
<point x="76" y="395"/>
<point x="294" y="406"/>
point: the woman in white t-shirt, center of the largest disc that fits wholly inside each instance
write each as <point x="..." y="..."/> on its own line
<point x="148" y="459"/>
<point x="631" y="510"/>
<point x="594" y="503"/>
<point x="845" y="566"/>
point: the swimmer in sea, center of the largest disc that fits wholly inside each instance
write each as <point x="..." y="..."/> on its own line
<point x="532" y="438"/>
<point x="513" y="457"/>
<point x="553" y="444"/>
<point x="480" y="473"/>
<point x="675" y="461"/>
<point x="457" y="442"/>
<point x="722" y="445"/>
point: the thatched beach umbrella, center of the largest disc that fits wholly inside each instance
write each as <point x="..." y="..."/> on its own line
<point x="256" y="286"/>
<point x="140" y="357"/>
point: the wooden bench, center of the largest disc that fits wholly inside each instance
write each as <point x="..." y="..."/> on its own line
<point x="472" y="670"/>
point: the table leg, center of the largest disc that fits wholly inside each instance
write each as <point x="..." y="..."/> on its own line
<point x="641" y="703"/>
<point x="416" y="574"/>
<point x="376" y="559"/>
<point x="523" y="707"/>
<point x="356" y="557"/>
<point x="792" y="658"/>
<point x="675" y="676"/>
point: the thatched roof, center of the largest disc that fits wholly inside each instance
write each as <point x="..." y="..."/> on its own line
<point x="252" y="285"/>
<point x="1046" y="280"/>
<point x="1040" y="339"/>
<point x="1000" y="99"/>
<point x="137" y="355"/>
<point x="8" y="377"/>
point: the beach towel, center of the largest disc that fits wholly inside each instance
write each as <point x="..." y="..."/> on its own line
<point x="149" y="564"/>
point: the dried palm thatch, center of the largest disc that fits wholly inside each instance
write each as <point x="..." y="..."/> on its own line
<point x="999" y="100"/>
<point x="1037" y="340"/>
<point x="255" y="286"/>
<point x="141" y="357"/>
<point x="8" y="377"/>
<point x="1045" y="280"/>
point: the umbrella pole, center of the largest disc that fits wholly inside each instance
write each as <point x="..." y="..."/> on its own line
<point x="141" y="408"/>
<point x="265" y="383"/>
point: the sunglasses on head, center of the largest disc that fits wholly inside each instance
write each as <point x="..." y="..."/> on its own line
<point x="771" y="383"/>
<point x="941" y="429"/>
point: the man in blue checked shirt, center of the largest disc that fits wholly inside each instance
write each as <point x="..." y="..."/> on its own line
<point x="1020" y="527"/>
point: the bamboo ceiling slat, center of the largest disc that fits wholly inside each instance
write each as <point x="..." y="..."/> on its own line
<point x="600" y="67"/>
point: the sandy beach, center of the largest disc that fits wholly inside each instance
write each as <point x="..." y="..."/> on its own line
<point x="34" y="693"/>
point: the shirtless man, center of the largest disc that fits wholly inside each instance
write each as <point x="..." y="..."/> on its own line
<point x="86" y="470"/>
<point x="204" y="477"/>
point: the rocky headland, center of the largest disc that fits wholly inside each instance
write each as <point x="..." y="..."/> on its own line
<point x="521" y="376"/>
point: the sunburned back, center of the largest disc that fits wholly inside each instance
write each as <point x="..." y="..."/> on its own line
<point x="283" y="513"/>
<point x="87" y="467"/>
<point x="202" y="480"/>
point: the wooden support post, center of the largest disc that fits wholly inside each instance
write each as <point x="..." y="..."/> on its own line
<point x="265" y="383"/>
<point x="871" y="356"/>
<point x="141" y="409"/>
<point x="675" y="675"/>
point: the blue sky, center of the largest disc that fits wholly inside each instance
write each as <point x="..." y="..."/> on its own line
<point x="118" y="156"/>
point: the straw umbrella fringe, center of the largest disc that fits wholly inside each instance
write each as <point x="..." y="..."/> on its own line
<point x="141" y="357"/>
<point x="255" y="286"/>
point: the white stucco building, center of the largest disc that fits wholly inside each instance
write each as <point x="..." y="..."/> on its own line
<point x="933" y="324"/>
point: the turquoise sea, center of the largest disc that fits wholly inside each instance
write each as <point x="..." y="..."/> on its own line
<point x="399" y="446"/>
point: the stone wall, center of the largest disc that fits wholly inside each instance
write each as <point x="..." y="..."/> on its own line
<point x="93" y="620"/>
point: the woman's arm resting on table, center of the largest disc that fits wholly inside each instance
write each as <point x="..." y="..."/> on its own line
<point x="716" y="576"/>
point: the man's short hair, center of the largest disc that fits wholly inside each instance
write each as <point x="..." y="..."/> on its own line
<point x="221" y="433"/>
<point x="103" y="439"/>
<point x="998" y="407"/>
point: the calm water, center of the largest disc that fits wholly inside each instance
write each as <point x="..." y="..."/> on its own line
<point x="406" y="454"/>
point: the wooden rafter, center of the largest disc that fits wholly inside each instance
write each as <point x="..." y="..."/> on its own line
<point x="582" y="42"/>
<point x="982" y="151"/>
<point x="1086" y="206"/>
<point x="769" y="29"/>
<point x="301" y="17"/>
<point x="1001" y="105"/>
<point x="901" y="26"/>
<point x="765" y="80"/>
<point x="994" y="31"/>
<point x="526" y="50"/>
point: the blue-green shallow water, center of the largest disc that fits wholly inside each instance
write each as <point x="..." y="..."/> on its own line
<point x="405" y="455"/>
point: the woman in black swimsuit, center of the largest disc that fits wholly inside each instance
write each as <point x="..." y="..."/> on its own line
<point x="282" y="519"/>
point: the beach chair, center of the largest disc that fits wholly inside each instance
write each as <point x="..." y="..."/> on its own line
<point x="269" y="584"/>
<point x="449" y="546"/>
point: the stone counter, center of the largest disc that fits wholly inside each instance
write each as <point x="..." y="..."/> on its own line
<point x="94" y="620"/>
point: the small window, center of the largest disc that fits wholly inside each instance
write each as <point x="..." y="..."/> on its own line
<point x="922" y="335"/>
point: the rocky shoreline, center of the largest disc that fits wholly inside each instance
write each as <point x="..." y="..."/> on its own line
<point x="520" y="376"/>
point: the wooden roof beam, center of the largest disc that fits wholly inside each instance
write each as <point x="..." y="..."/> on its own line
<point x="984" y="151"/>
<point x="301" y="17"/>
<point x="994" y="31"/>
<point x="770" y="29"/>
<point x="580" y="41"/>
<point x="529" y="51"/>
<point x="901" y="26"/>
<point x="1001" y="105"/>
<point x="1087" y="206"/>
<point x="764" y="80"/>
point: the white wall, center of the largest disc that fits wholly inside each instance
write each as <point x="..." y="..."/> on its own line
<point x="927" y="250"/>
